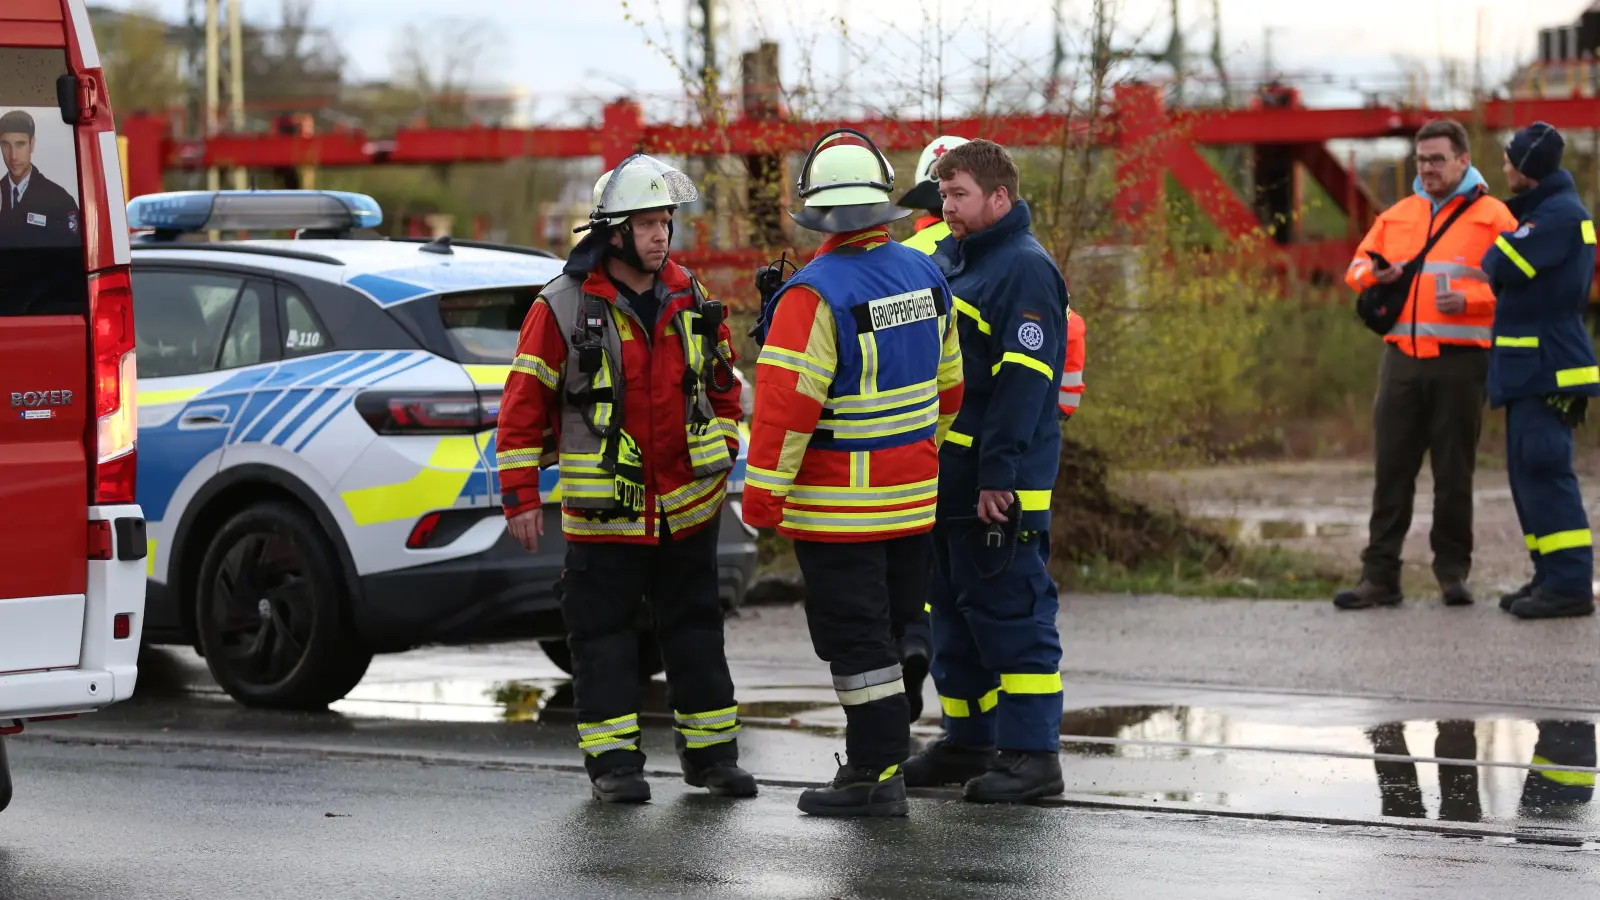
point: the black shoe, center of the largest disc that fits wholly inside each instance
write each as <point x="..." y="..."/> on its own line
<point x="943" y="762"/>
<point x="1525" y="591"/>
<point x="915" y="671"/>
<point x="1455" y="593"/>
<point x="1368" y="594"/>
<point x="1017" y="776"/>
<point x="722" y="778"/>
<point x="858" y="791"/>
<point x="1546" y="604"/>
<point x="621" y="785"/>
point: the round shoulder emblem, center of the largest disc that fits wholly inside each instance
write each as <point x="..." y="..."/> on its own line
<point x="1031" y="335"/>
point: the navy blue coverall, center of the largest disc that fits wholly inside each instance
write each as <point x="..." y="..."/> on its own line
<point x="996" y="652"/>
<point x="1541" y="274"/>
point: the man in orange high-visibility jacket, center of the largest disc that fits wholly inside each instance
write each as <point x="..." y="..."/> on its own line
<point x="858" y="379"/>
<point x="1433" y="378"/>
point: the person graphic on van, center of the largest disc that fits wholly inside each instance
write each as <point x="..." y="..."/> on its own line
<point x="34" y="211"/>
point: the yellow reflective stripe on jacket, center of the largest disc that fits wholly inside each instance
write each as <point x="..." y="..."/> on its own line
<point x="1562" y="777"/>
<point x="838" y="495"/>
<point x="971" y="312"/>
<point x="517" y="459"/>
<point x="1505" y="340"/>
<point x="1033" y="501"/>
<point x="772" y="355"/>
<point x="1564" y="540"/>
<point x="961" y="709"/>
<point x="855" y="523"/>
<point x="1023" y="359"/>
<point x="1515" y="257"/>
<point x="959" y="439"/>
<point x="883" y="426"/>
<point x="528" y="364"/>
<point x="769" y="479"/>
<point x="577" y="524"/>
<point x="905" y="396"/>
<point x="1031" y="684"/>
<point x="1572" y="377"/>
<point x="1587" y="228"/>
<point x="1532" y="541"/>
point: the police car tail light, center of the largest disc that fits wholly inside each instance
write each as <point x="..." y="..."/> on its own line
<point x="445" y="412"/>
<point x="115" y="384"/>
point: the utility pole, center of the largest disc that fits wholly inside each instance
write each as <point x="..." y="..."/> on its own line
<point x="1175" y="53"/>
<point x="1058" y="53"/>
<point x="703" y="33"/>
<point x="241" y="178"/>
<point x="1216" y="52"/>
<point x="213" y="85"/>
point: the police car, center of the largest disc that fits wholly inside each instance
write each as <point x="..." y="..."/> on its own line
<point x="316" y="443"/>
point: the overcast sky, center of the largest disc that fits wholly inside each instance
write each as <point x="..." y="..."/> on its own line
<point x="556" y="49"/>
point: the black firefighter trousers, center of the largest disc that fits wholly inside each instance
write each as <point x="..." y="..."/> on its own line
<point x="856" y="593"/>
<point x="602" y="587"/>
<point x="1431" y="407"/>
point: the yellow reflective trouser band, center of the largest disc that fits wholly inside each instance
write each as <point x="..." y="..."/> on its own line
<point x="889" y="772"/>
<point x="1515" y="257"/>
<point x="516" y="459"/>
<point x="1023" y="359"/>
<point x="708" y="728"/>
<point x="538" y="368"/>
<point x="1033" y="501"/>
<point x="1533" y="542"/>
<point x="1031" y="684"/>
<point x="961" y="709"/>
<point x="621" y="733"/>
<point x="1564" y="540"/>
<point x="927" y="607"/>
<point x="1570" y="779"/>
<point x="1506" y="340"/>
<point x="855" y="690"/>
<point x="956" y="437"/>
<point x="1584" y="375"/>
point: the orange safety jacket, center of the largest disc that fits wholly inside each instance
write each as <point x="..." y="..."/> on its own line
<point x="1400" y="233"/>
<point x="816" y="494"/>
<point x="654" y="415"/>
<point x="1071" y="391"/>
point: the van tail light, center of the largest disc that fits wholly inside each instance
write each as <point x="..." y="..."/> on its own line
<point x="115" y="387"/>
<point x="438" y="412"/>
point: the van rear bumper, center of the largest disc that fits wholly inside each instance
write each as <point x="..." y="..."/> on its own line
<point x="62" y="692"/>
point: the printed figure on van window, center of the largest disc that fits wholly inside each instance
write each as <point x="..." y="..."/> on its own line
<point x="34" y="211"/>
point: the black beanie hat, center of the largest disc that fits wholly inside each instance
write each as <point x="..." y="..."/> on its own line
<point x="1535" y="151"/>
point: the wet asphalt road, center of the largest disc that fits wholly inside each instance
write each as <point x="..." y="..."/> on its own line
<point x="100" y="823"/>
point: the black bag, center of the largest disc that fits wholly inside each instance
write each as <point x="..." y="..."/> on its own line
<point x="1380" y="306"/>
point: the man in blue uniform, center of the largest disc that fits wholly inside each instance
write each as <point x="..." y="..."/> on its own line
<point x="997" y="655"/>
<point x="1542" y="369"/>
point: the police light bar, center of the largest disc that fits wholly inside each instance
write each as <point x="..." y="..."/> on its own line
<point x="192" y="211"/>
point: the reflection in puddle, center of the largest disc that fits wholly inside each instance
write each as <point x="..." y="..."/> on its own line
<point x="1517" y="770"/>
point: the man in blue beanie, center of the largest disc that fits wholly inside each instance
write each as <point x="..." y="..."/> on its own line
<point x="1542" y="369"/>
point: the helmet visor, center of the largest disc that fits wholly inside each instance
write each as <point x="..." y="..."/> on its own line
<point x="643" y="182"/>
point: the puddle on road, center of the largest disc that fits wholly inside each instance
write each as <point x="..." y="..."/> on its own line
<point x="1221" y="758"/>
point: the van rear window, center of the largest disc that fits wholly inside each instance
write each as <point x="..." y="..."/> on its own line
<point x="41" y="235"/>
<point x="483" y="325"/>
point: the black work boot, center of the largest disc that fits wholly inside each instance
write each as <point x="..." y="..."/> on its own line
<point x="721" y="778"/>
<point x="944" y="762"/>
<point x="858" y="791"/>
<point x="1366" y="595"/>
<point x="914" y="669"/>
<point x="1454" y="592"/>
<point x="1544" y="603"/>
<point x="1017" y="776"/>
<point x="1525" y="591"/>
<point x="624" y="784"/>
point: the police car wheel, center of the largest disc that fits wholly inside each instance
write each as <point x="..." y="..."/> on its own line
<point x="271" y="614"/>
<point x="649" y="655"/>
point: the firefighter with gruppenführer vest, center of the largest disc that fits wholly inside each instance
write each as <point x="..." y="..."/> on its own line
<point x="1542" y="369"/>
<point x="624" y="377"/>
<point x="1420" y="281"/>
<point x="858" y="378"/>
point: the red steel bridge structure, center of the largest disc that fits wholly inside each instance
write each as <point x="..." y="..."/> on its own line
<point x="1150" y="139"/>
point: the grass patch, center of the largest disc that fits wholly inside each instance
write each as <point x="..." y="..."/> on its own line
<point x="1249" y="572"/>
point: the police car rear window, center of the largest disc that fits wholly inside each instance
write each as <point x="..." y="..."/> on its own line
<point x="41" y="243"/>
<point x="483" y="325"/>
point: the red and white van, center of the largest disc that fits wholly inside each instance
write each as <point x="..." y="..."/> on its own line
<point x="72" y="543"/>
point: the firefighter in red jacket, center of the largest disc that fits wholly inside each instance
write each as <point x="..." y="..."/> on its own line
<point x="624" y="376"/>
<point x="858" y="379"/>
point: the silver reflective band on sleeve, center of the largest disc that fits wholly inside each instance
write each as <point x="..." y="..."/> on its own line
<point x="1455" y="270"/>
<point x="1069" y="399"/>
<point x="1072" y="379"/>
<point x="1434" y="330"/>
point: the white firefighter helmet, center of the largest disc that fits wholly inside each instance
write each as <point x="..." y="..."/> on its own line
<point x="925" y="193"/>
<point x="846" y="183"/>
<point x="637" y="184"/>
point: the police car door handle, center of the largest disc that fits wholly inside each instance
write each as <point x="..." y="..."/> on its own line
<point x="207" y="416"/>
